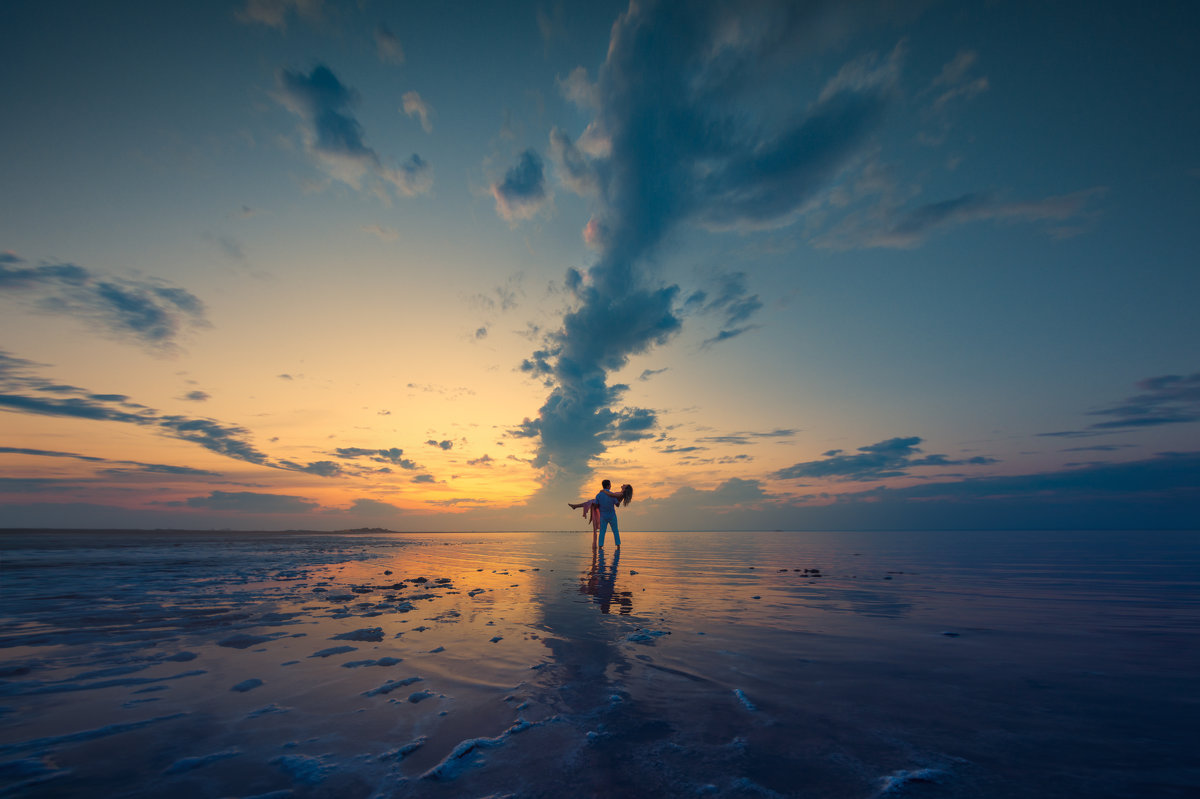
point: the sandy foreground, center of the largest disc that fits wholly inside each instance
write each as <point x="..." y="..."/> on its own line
<point x="377" y="665"/>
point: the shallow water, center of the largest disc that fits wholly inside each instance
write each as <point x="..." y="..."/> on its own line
<point x="723" y="664"/>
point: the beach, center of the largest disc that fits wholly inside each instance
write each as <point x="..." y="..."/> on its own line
<point x="375" y="664"/>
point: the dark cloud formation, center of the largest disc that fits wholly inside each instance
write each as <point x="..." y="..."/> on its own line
<point x="523" y="191"/>
<point x="38" y="485"/>
<point x="150" y="312"/>
<point x="197" y="396"/>
<point x="125" y="466"/>
<point x="673" y="140"/>
<point x="446" y="444"/>
<point x="483" y="460"/>
<point x="335" y="138"/>
<point x="1166" y="472"/>
<point x="247" y="502"/>
<point x="1162" y="492"/>
<point x="1169" y="399"/>
<point x="319" y="468"/>
<point x="1164" y="400"/>
<point x="392" y="455"/>
<point x="890" y="458"/>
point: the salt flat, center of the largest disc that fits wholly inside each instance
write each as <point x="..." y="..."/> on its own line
<point x="723" y="664"/>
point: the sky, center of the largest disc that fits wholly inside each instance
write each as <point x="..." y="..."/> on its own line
<point x="308" y="264"/>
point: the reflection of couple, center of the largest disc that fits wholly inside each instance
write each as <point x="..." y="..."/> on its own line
<point x="601" y="583"/>
<point x="603" y="509"/>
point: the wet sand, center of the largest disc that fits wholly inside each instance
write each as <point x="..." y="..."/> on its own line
<point x="741" y="664"/>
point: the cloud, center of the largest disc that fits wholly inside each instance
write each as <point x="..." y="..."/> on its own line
<point x="413" y="105"/>
<point x="424" y="478"/>
<point x="442" y="444"/>
<point x="631" y="424"/>
<point x="275" y="13"/>
<point x="725" y="335"/>
<point x="393" y="455"/>
<point x="197" y="396"/>
<point x="907" y="228"/>
<point x="388" y="46"/>
<point x="731" y="300"/>
<point x="890" y="458"/>
<point x="1166" y="399"/>
<point x="1162" y="492"/>
<point x="319" y="468"/>
<point x="148" y="311"/>
<point x="247" y="502"/>
<point x="734" y="495"/>
<point x="1165" y="472"/>
<point x="22" y="392"/>
<point x="153" y="468"/>
<point x="523" y="191"/>
<point x="384" y="233"/>
<point x="676" y="138"/>
<point x="744" y="438"/>
<point x="483" y="460"/>
<point x="649" y="373"/>
<point x="335" y="139"/>
<point x="954" y="83"/>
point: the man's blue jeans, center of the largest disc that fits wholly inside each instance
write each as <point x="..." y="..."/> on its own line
<point x="605" y="521"/>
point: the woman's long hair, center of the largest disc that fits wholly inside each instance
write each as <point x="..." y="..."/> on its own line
<point x="626" y="494"/>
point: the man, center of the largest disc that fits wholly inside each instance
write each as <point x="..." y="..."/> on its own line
<point x="606" y="501"/>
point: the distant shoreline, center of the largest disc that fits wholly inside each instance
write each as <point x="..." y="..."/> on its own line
<point x="384" y="531"/>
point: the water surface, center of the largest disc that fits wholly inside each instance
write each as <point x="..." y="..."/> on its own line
<point x="724" y="664"/>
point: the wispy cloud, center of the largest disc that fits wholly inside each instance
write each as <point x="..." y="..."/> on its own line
<point x="891" y="458"/>
<point x="384" y="233"/>
<point x="22" y="391"/>
<point x="388" y="46"/>
<point x="1168" y="399"/>
<point x="153" y="468"/>
<point x="741" y="439"/>
<point x="414" y="105"/>
<point x="335" y="139"/>
<point x="1164" y="400"/>
<point x="955" y="81"/>
<point x="148" y="311"/>
<point x="905" y="228"/>
<point x="275" y="13"/>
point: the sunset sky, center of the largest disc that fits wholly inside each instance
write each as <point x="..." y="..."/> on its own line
<point x="444" y="266"/>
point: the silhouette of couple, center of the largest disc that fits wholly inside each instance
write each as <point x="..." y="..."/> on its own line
<point x="603" y="510"/>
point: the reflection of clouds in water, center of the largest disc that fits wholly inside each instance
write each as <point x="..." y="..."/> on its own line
<point x="600" y="582"/>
